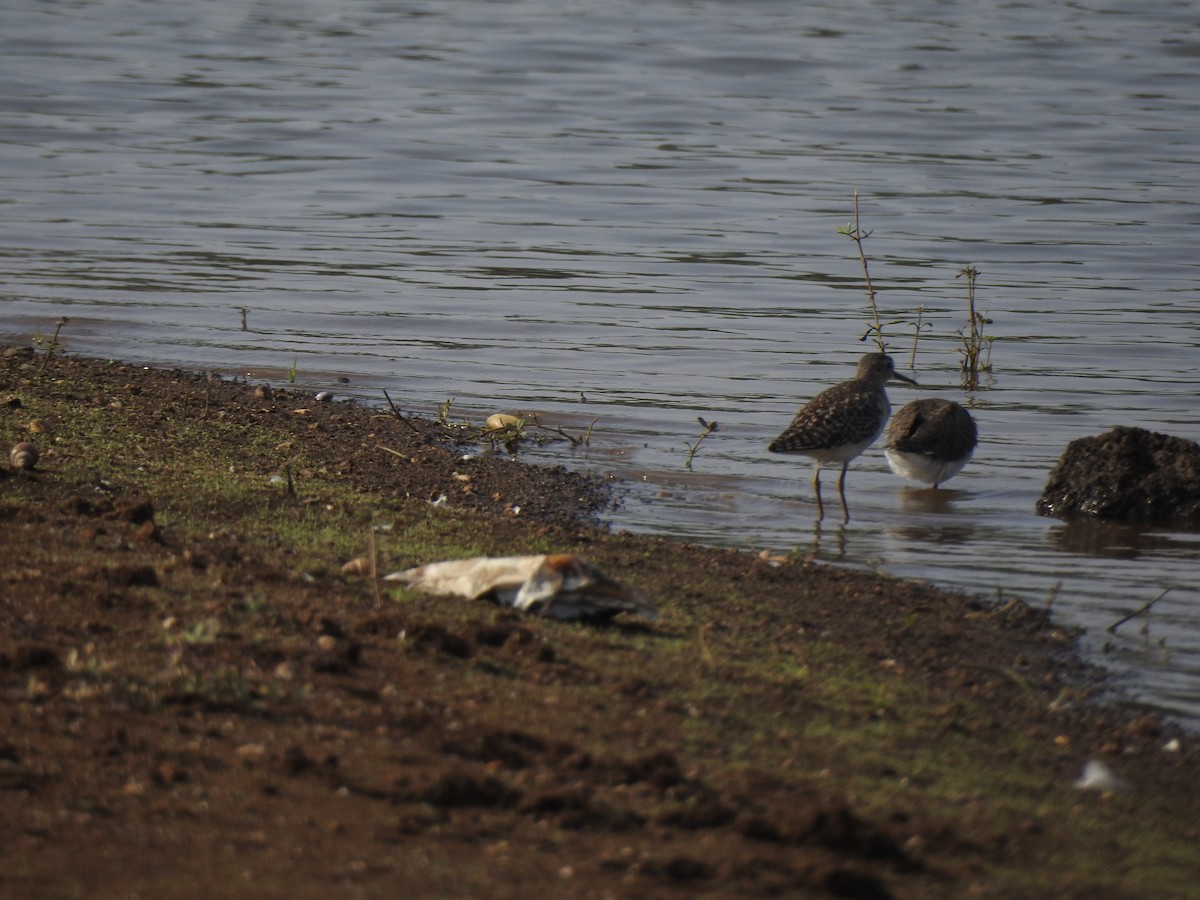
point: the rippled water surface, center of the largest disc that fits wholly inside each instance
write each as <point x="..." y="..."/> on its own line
<point x="625" y="215"/>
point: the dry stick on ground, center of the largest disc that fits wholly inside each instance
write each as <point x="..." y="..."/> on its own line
<point x="701" y="639"/>
<point x="1144" y="608"/>
<point x="398" y="415"/>
<point x="375" y="567"/>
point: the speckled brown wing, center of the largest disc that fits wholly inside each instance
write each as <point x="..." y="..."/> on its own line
<point x="940" y="429"/>
<point x="847" y="413"/>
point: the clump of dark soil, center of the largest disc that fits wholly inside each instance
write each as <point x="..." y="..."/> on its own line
<point x="1127" y="475"/>
<point x="194" y="700"/>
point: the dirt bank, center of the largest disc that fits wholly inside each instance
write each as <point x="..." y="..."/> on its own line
<point x="196" y="701"/>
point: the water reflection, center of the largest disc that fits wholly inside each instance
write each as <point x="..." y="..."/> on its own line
<point x="934" y="501"/>
<point x="828" y="543"/>
<point x="1108" y="540"/>
<point x="950" y="535"/>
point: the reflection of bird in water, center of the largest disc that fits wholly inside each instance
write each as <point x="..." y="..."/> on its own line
<point x="842" y="421"/>
<point x="930" y="440"/>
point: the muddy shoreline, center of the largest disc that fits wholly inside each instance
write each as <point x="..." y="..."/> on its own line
<point x="197" y="700"/>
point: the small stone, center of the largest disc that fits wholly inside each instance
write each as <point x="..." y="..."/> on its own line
<point x="501" y="421"/>
<point x="358" y="566"/>
<point x="1097" y="776"/>
<point x="250" y="752"/>
<point x="148" y="532"/>
<point x="1146" y="726"/>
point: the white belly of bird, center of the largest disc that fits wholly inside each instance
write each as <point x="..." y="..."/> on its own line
<point x="844" y="453"/>
<point x="923" y="467"/>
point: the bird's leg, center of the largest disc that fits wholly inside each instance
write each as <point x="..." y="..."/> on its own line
<point x="817" y="489"/>
<point x="842" y="492"/>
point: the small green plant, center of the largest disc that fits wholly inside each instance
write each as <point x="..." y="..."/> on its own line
<point x="443" y="411"/>
<point x="202" y="632"/>
<point x="509" y="430"/>
<point x="709" y="428"/>
<point x="974" y="359"/>
<point x="292" y="372"/>
<point x="505" y="430"/>
<point x="52" y="344"/>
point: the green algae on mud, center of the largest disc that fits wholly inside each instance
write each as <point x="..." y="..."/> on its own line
<point x="185" y="668"/>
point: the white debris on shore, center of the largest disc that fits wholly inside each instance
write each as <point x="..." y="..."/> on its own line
<point x="560" y="585"/>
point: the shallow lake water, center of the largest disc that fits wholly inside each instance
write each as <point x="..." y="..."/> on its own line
<point x="624" y="216"/>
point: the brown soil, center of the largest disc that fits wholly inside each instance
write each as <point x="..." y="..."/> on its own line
<point x="193" y="707"/>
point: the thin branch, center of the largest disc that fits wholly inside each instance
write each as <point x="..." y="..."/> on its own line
<point x="53" y="344"/>
<point x="398" y="415"/>
<point x="375" y="567"/>
<point x="709" y="428"/>
<point x="1144" y="608"/>
<point x="856" y="234"/>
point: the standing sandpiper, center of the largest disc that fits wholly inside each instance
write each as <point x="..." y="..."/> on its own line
<point x="930" y="440"/>
<point x="841" y="422"/>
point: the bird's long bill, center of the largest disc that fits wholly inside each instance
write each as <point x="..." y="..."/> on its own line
<point x="897" y="376"/>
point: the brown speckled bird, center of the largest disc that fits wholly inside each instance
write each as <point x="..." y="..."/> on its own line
<point x="841" y="422"/>
<point x="930" y="440"/>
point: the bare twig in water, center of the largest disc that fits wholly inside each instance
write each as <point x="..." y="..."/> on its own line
<point x="1144" y="608"/>
<point x="917" y="326"/>
<point x="554" y="429"/>
<point x="1051" y="596"/>
<point x="709" y="428"/>
<point x="856" y="234"/>
<point x="587" y="435"/>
